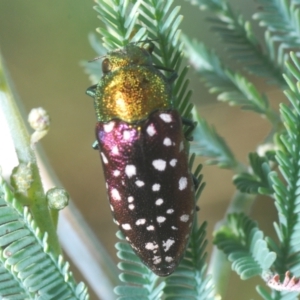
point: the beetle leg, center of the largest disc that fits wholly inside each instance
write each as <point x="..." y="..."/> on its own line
<point x="95" y="145"/>
<point x="91" y="91"/>
<point x="195" y="181"/>
<point x="172" y="77"/>
<point x="191" y="125"/>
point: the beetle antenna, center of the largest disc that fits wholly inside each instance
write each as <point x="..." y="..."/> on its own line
<point x="146" y="41"/>
<point x="97" y="58"/>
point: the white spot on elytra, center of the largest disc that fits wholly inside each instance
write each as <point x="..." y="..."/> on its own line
<point x="131" y="206"/>
<point x="156" y="260"/>
<point x="104" y="158"/>
<point x="181" y="146"/>
<point x="168" y="259"/>
<point x="160" y="219"/>
<point x="130" y="199"/>
<point x="126" y="135"/>
<point x="115" y="194"/>
<point x="151" y="246"/>
<point x="150" y="227"/>
<point x="126" y="226"/>
<point x="140" y="221"/>
<point x="170" y="211"/>
<point x="184" y="218"/>
<point x="115" y="149"/>
<point x="151" y="130"/>
<point x="127" y="238"/>
<point x="155" y="187"/>
<point x="182" y="183"/>
<point x="159" y="164"/>
<point x="173" y="162"/>
<point x="111" y="207"/>
<point x="116" y="222"/>
<point x="140" y="183"/>
<point x="174" y="228"/>
<point x="117" y="173"/>
<point x="109" y="126"/>
<point x="167" y="141"/>
<point x="130" y="170"/>
<point x="159" y="201"/>
<point x="166" y="117"/>
<point x="167" y="244"/>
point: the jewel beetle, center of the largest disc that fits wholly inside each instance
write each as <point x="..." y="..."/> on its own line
<point x="144" y="157"/>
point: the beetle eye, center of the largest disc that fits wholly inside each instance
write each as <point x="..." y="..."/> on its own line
<point x="106" y="68"/>
<point x="149" y="47"/>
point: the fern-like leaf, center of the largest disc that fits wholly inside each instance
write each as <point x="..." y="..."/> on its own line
<point x="26" y="257"/>
<point x="244" y="47"/>
<point x="230" y="86"/>
<point x="209" y="144"/>
<point x="257" y="182"/>
<point x="162" y="22"/>
<point x="286" y="194"/>
<point x="92" y="68"/>
<point x="120" y="19"/>
<point x="244" y="245"/>
<point x="282" y="19"/>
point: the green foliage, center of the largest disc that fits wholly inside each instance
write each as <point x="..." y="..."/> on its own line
<point x="244" y="46"/>
<point x="244" y="245"/>
<point x="28" y="268"/>
<point x="208" y="143"/>
<point x="120" y="25"/>
<point x="257" y="182"/>
<point x="231" y="86"/>
<point x="24" y="250"/>
<point x="287" y="195"/>
<point x="92" y="67"/>
<point x="282" y="20"/>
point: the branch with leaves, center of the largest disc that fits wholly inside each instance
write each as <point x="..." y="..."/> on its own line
<point x="280" y="18"/>
<point x="29" y="242"/>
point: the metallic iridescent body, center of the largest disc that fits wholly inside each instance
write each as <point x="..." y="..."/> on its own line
<point x="132" y="87"/>
<point x="142" y="147"/>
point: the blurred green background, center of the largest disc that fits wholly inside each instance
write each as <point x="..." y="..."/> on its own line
<point x="43" y="42"/>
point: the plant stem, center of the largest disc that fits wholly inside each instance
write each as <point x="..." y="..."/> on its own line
<point x="219" y="267"/>
<point x="54" y="216"/>
<point x="35" y="193"/>
<point x="78" y="240"/>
